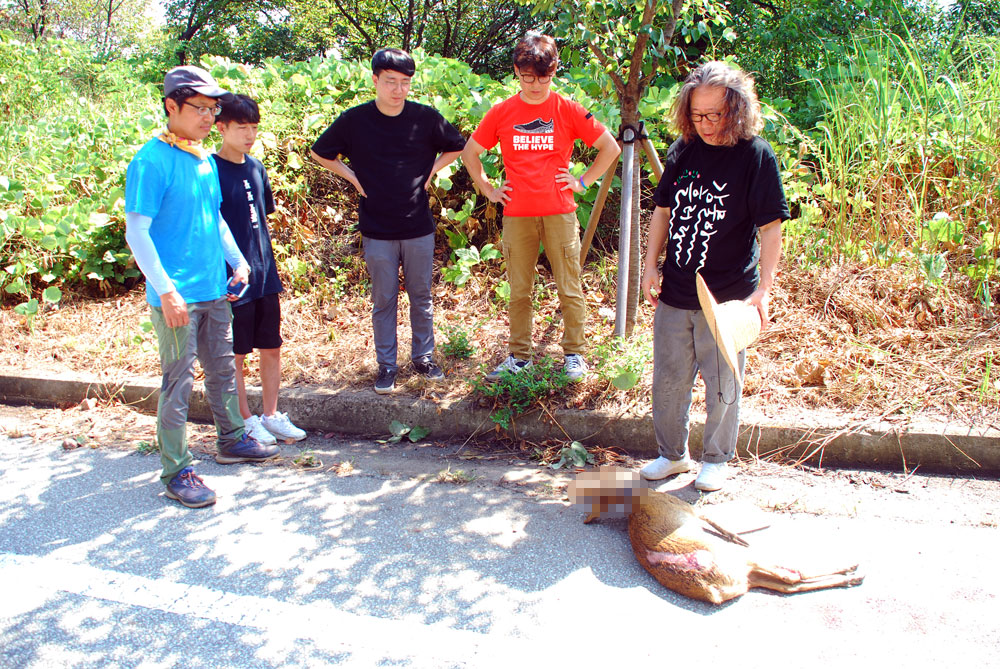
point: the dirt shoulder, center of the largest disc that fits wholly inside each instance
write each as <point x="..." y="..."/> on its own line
<point x="849" y="343"/>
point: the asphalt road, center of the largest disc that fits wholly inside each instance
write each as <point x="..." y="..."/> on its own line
<point x="388" y="566"/>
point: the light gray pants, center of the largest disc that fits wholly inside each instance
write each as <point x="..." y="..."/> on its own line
<point x="683" y="345"/>
<point x="208" y="337"/>
<point x="384" y="257"/>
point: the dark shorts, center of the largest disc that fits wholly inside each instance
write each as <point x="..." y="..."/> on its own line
<point x="257" y="324"/>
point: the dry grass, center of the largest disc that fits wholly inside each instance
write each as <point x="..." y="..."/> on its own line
<point x="859" y="341"/>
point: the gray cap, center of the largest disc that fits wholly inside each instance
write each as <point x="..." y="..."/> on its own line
<point x="196" y="78"/>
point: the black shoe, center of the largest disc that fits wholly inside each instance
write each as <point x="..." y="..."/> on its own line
<point x="427" y="368"/>
<point x="247" y="449"/>
<point x="386" y="381"/>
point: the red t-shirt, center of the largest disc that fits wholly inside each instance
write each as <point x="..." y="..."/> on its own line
<point x="535" y="141"/>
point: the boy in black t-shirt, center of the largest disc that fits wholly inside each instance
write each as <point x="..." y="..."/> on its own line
<point x="246" y="202"/>
<point x="394" y="147"/>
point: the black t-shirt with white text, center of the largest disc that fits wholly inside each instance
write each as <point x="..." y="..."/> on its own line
<point x="718" y="196"/>
<point x="392" y="157"/>
<point x="246" y="202"/>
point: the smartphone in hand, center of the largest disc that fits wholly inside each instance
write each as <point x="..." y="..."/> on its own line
<point x="238" y="290"/>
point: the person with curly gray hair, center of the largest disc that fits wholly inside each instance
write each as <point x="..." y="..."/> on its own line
<point x="719" y="209"/>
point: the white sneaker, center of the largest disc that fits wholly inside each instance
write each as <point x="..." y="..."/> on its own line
<point x="711" y="477"/>
<point x="282" y="428"/>
<point x="661" y="468"/>
<point x="256" y="430"/>
<point x="575" y="366"/>
<point x="510" y="364"/>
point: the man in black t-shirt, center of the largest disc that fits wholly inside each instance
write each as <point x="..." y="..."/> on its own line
<point x="720" y="191"/>
<point x="394" y="147"/>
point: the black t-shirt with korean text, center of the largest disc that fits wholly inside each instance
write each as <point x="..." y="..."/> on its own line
<point x="717" y="196"/>
<point x="246" y="202"/>
<point x="392" y="157"/>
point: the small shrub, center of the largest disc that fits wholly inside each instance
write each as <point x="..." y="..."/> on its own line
<point x="456" y="343"/>
<point x="516" y="393"/>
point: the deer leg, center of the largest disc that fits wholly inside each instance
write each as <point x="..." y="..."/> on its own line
<point x="791" y="580"/>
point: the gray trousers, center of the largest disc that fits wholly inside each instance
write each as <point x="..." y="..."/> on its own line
<point x="683" y="345"/>
<point x="384" y="258"/>
<point x="208" y="337"/>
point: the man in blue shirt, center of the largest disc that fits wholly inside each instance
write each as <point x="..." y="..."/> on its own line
<point x="179" y="240"/>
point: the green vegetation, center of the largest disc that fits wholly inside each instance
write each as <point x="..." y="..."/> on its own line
<point x="456" y="343"/>
<point x="885" y="116"/>
<point x="515" y="394"/>
<point x="400" y="430"/>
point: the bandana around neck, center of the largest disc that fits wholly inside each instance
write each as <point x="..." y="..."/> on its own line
<point x="191" y="146"/>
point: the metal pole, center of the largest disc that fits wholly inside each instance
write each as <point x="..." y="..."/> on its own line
<point x="625" y="230"/>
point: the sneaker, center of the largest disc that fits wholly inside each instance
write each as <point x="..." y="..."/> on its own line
<point x="386" y="381"/>
<point x="575" y="366"/>
<point x="511" y="364"/>
<point x="188" y="489"/>
<point x="711" y="477"/>
<point x="247" y="449"/>
<point x="661" y="468"/>
<point x="427" y="368"/>
<point x="257" y="430"/>
<point x="282" y="428"/>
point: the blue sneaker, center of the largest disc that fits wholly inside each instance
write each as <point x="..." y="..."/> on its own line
<point x="188" y="489"/>
<point x="247" y="449"/>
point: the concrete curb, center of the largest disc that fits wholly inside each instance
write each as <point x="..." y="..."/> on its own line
<point x="935" y="448"/>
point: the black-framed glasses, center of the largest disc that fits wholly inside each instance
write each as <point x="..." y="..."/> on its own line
<point x="711" y="117"/>
<point x="530" y="78"/>
<point x="205" y="111"/>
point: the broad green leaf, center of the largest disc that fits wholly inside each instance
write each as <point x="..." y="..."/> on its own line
<point x="418" y="432"/>
<point x="625" y="380"/>
<point x="52" y="294"/>
<point x="398" y="429"/>
<point x="29" y="308"/>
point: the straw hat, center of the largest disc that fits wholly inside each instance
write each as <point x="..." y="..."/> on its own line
<point x="734" y="324"/>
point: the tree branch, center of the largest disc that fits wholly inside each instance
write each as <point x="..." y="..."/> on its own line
<point x="608" y="67"/>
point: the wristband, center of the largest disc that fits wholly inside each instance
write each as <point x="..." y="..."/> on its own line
<point x="583" y="185"/>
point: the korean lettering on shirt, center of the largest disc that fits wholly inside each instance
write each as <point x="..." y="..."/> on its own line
<point x="693" y="217"/>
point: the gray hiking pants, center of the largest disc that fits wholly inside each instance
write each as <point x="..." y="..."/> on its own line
<point x="208" y="337"/>
<point x="384" y="258"/>
<point x="683" y="346"/>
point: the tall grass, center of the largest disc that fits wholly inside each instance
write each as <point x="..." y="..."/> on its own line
<point x="910" y="152"/>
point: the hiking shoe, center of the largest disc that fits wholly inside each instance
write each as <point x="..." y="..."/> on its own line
<point x="282" y="428"/>
<point x="386" y="381"/>
<point x="427" y="368"/>
<point x="247" y="449"/>
<point x="511" y="364"/>
<point x="575" y="366"/>
<point x="188" y="489"/>
<point x="661" y="468"/>
<point x="257" y="430"/>
<point x="711" y="477"/>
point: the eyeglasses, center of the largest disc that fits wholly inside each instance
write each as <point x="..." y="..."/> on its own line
<point x="530" y="78"/>
<point x="204" y="111"/>
<point x="711" y="117"/>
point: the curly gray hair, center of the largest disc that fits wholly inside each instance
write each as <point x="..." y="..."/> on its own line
<point x="741" y="119"/>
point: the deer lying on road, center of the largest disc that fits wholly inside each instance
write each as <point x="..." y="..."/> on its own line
<point x="685" y="552"/>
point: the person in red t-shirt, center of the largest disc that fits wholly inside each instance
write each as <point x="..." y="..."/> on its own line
<point x="536" y="130"/>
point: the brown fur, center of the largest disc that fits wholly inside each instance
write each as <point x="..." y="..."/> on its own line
<point x="685" y="552"/>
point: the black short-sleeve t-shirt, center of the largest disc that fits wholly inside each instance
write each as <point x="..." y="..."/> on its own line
<point x="246" y="202"/>
<point x="392" y="157"/>
<point x="718" y="196"/>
